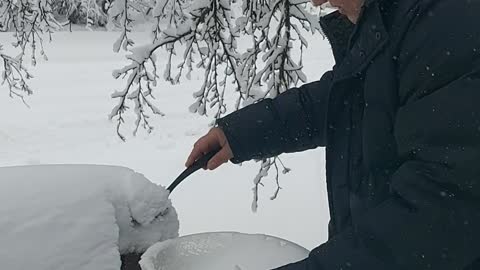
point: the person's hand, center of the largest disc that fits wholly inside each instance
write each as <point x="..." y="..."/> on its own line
<point x="215" y="139"/>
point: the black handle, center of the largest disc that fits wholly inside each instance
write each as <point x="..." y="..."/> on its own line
<point x="198" y="164"/>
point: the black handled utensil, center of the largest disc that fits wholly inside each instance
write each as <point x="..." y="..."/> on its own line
<point x="130" y="260"/>
<point x="198" y="164"/>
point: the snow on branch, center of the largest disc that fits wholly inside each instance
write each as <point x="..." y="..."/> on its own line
<point x="29" y="20"/>
<point x="205" y="35"/>
<point x="280" y="26"/>
<point x="265" y="167"/>
<point x="119" y="18"/>
<point x="32" y="20"/>
<point x="15" y="75"/>
<point x="203" y="28"/>
<point x="208" y="31"/>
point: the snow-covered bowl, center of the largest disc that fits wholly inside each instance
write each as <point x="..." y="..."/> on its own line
<point x="222" y="251"/>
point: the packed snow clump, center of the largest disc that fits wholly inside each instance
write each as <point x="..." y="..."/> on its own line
<point x="82" y="217"/>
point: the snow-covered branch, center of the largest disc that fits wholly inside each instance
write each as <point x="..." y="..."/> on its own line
<point x="29" y="20"/>
<point x="119" y="18"/>
<point x="15" y="75"/>
<point x="265" y="167"/>
<point x="208" y="32"/>
<point x="268" y="62"/>
<point x="206" y="36"/>
<point x="280" y="25"/>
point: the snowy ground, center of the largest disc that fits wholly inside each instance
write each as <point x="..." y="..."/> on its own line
<point x="67" y="124"/>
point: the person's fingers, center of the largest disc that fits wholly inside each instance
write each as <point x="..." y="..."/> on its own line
<point x="213" y="140"/>
<point x="199" y="148"/>
<point x="223" y="156"/>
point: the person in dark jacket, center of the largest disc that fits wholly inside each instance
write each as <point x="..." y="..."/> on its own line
<point x="399" y="115"/>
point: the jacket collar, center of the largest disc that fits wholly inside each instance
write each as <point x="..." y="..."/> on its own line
<point x="369" y="2"/>
<point x="337" y="29"/>
<point x="365" y="39"/>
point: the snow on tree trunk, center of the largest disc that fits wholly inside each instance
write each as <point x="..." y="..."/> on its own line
<point x="79" y="217"/>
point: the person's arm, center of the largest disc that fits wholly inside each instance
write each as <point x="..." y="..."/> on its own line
<point x="293" y="121"/>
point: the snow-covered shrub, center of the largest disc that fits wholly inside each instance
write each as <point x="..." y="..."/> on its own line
<point x="82" y="217"/>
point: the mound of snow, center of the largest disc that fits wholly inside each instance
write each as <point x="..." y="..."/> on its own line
<point x="79" y="217"/>
<point x="222" y="251"/>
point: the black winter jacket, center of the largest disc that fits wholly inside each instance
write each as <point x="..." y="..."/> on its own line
<point x="399" y="115"/>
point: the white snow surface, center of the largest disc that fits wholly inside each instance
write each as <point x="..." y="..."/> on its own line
<point x="67" y="123"/>
<point x="222" y="251"/>
<point x="79" y="217"/>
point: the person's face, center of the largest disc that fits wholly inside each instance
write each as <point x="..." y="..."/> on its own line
<point x="349" y="8"/>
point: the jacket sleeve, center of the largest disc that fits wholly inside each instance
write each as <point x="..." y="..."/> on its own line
<point x="293" y="121"/>
<point x="431" y="219"/>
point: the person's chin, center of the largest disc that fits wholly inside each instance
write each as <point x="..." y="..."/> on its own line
<point x="341" y="11"/>
<point x="351" y="18"/>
